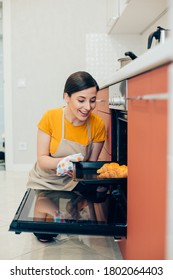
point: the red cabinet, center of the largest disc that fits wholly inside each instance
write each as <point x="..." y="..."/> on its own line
<point x="147" y="168"/>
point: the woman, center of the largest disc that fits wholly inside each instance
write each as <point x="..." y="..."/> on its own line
<point x="67" y="131"/>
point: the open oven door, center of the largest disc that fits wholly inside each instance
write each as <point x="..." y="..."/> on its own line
<point x="88" y="211"/>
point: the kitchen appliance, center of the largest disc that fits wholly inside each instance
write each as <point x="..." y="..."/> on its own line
<point x="118" y="96"/>
<point x="131" y="55"/>
<point x="124" y="61"/>
<point x="119" y="136"/>
<point x="118" y="104"/>
<point x="159" y="35"/>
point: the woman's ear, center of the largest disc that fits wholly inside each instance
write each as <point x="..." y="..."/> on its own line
<point x="66" y="97"/>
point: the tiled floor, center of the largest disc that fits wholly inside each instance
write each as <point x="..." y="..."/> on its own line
<point x="25" y="246"/>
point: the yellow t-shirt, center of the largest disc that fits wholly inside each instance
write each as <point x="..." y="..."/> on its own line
<point x="51" y="123"/>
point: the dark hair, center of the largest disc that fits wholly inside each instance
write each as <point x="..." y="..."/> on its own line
<point x="79" y="81"/>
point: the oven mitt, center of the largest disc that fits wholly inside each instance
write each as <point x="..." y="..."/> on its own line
<point x="66" y="164"/>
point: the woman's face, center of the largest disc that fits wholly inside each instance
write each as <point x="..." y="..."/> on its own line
<point x="81" y="103"/>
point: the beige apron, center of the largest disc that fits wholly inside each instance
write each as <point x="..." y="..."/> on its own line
<point x="47" y="179"/>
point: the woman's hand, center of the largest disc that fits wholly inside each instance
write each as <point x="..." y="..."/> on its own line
<point x="65" y="166"/>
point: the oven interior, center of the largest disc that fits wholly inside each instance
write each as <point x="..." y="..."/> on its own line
<point x="119" y="120"/>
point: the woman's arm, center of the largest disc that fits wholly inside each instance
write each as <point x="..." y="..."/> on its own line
<point x="96" y="150"/>
<point x="44" y="160"/>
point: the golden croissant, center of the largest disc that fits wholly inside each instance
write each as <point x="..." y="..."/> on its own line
<point x="113" y="170"/>
<point x="108" y="167"/>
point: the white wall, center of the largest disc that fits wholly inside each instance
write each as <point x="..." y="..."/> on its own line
<point x="1" y="82"/>
<point x="47" y="42"/>
<point x="44" y="42"/>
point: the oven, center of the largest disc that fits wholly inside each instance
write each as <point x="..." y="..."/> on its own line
<point x="118" y="96"/>
<point x="118" y="106"/>
<point x="119" y="136"/>
<point x="97" y="206"/>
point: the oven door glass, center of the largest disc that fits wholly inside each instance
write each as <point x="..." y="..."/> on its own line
<point x="72" y="213"/>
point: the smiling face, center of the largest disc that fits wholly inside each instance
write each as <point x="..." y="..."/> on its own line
<point x="80" y="104"/>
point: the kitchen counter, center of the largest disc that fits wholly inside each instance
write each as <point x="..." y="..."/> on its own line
<point x="152" y="58"/>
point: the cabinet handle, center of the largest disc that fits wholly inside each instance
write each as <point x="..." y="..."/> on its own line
<point x="157" y="96"/>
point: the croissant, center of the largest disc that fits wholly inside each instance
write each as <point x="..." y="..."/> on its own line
<point x="122" y="171"/>
<point x="108" y="174"/>
<point x="113" y="170"/>
<point x="107" y="167"/>
<point x="103" y="168"/>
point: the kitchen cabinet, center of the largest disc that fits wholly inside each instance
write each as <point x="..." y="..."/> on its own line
<point x="103" y="111"/>
<point x="130" y="14"/>
<point x="115" y="9"/>
<point x="147" y="167"/>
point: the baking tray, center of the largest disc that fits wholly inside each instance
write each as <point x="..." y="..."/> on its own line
<point x="85" y="172"/>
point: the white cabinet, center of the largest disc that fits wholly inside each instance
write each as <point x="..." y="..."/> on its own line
<point x="134" y="16"/>
<point x="115" y="9"/>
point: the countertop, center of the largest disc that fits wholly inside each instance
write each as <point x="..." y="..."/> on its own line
<point x="152" y="58"/>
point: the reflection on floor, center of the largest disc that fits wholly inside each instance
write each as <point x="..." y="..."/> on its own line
<point x="26" y="247"/>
